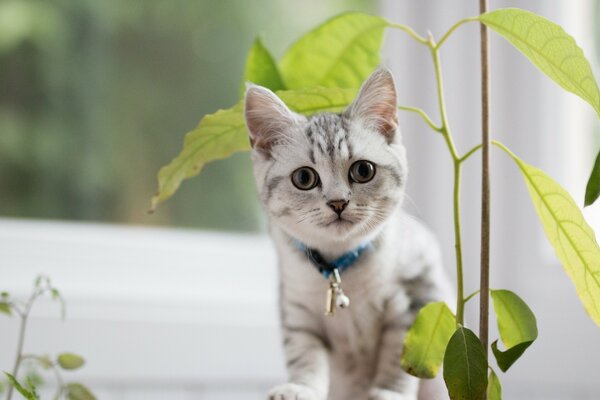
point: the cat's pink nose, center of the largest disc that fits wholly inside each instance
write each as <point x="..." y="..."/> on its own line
<point x="338" y="205"/>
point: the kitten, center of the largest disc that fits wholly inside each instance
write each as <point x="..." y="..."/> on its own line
<point x="332" y="184"/>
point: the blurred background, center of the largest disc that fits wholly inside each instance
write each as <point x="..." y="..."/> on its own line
<point x="95" y="96"/>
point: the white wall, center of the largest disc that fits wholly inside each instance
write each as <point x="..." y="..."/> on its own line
<point x="157" y="313"/>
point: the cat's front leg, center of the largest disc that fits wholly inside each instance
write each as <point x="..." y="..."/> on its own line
<point x="391" y="381"/>
<point x="307" y="365"/>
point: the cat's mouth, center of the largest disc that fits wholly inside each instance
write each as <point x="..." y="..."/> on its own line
<point x="339" y="221"/>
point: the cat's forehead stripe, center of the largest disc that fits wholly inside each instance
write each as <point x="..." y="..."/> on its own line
<point x="328" y="133"/>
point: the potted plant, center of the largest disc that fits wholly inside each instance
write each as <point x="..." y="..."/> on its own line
<point x="29" y="384"/>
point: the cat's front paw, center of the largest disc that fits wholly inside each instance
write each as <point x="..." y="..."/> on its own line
<point x="385" y="394"/>
<point x="292" y="391"/>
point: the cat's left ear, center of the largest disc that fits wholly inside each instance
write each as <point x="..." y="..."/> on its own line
<point x="375" y="105"/>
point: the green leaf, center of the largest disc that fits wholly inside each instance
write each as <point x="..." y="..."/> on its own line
<point x="549" y="48"/>
<point x="316" y="100"/>
<point x="517" y="326"/>
<point x="70" y="361"/>
<point x="261" y="69"/>
<point x="573" y="239"/>
<point x="77" y="391"/>
<point x="223" y="133"/>
<point x="5" y="308"/>
<point x="57" y="296"/>
<point x="2" y="387"/>
<point x="4" y="295"/>
<point x="32" y="382"/>
<point x="592" y="190"/>
<point x="218" y="136"/>
<point x="14" y="383"/>
<point x="426" y="341"/>
<point x="341" y="52"/>
<point x="494" y="389"/>
<point x="465" y="366"/>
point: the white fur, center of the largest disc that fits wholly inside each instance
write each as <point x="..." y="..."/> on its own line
<point x="356" y="354"/>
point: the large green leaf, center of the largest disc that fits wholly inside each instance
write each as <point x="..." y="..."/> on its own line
<point x="261" y="69"/>
<point x="592" y="190"/>
<point x="549" y="47"/>
<point x="341" y="52"/>
<point x="223" y="133"/>
<point x="517" y="326"/>
<point x="494" y="389"/>
<point x="573" y="239"/>
<point x="465" y="366"/>
<point x="217" y="136"/>
<point x="426" y="341"/>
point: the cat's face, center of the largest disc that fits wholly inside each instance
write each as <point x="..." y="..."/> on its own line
<point x="331" y="177"/>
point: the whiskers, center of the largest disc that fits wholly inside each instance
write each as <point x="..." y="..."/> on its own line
<point x="371" y="216"/>
<point x="310" y="216"/>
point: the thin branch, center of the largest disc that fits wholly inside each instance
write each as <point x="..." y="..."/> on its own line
<point x="22" y="329"/>
<point x="423" y="115"/>
<point x="420" y="39"/>
<point x="453" y="28"/>
<point x="469" y="297"/>
<point x="469" y="153"/>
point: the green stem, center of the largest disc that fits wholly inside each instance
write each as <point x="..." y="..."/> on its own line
<point x="423" y="115"/>
<point x="453" y="28"/>
<point x="470" y="153"/>
<point x="407" y="29"/>
<point x="469" y="297"/>
<point x="460" y="303"/>
<point x="447" y="134"/>
<point x="445" y="129"/>
<point x="457" y="160"/>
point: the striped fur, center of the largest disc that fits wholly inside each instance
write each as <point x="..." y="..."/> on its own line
<point x="354" y="355"/>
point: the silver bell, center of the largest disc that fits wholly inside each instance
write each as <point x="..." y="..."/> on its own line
<point x="342" y="301"/>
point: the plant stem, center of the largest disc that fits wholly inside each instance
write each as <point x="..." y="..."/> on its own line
<point x="457" y="160"/>
<point x="446" y="132"/>
<point x="484" y="286"/>
<point x="453" y="28"/>
<point x="423" y="115"/>
<point x="410" y="32"/>
<point x="24" y="315"/>
<point x="442" y="102"/>
<point x="460" y="302"/>
<point x="469" y="153"/>
<point x="469" y="297"/>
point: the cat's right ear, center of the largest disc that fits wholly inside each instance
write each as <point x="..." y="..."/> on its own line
<point x="268" y="119"/>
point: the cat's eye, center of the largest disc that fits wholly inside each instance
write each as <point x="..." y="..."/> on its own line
<point x="362" y="171"/>
<point x="305" y="178"/>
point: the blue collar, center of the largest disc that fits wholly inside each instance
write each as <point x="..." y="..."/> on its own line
<point x="341" y="263"/>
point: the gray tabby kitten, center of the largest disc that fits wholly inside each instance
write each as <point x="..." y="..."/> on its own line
<point x="331" y="183"/>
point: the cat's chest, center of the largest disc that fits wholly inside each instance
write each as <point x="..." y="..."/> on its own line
<point x="371" y="286"/>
